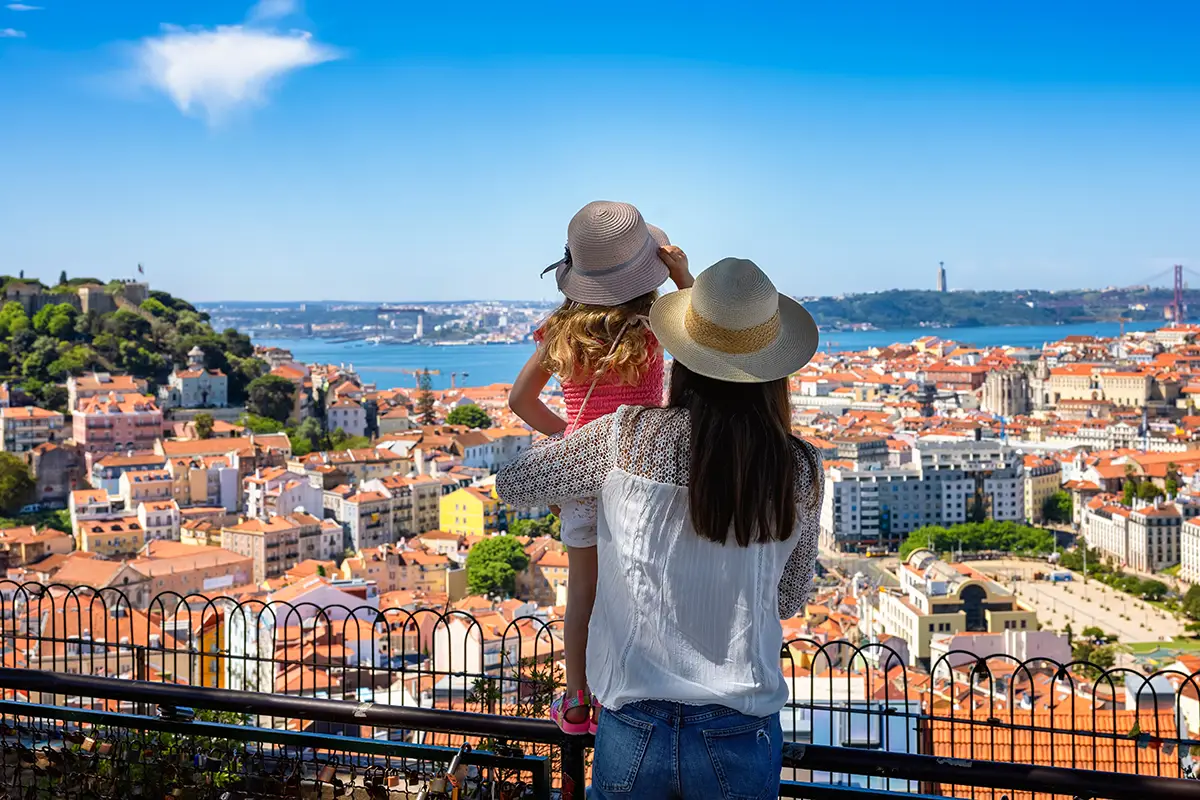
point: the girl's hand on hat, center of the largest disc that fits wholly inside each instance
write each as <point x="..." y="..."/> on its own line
<point x="677" y="265"/>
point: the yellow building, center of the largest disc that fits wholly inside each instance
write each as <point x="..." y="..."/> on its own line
<point x="938" y="599"/>
<point x="470" y="511"/>
<point x="1042" y="478"/>
<point x="110" y="537"/>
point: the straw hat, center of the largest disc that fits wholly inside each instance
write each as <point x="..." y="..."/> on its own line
<point x="734" y="326"/>
<point x="612" y="256"/>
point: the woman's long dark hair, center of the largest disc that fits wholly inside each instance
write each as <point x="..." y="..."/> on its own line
<point x="743" y="472"/>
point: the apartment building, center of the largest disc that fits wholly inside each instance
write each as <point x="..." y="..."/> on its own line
<point x="1147" y="537"/>
<point x="205" y="481"/>
<point x="864" y="451"/>
<point x="507" y="444"/>
<point x="471" y="512"/>
<point x="945" y="484"/>
<point x="348" y="415"/>
<point x="116" y="422"/>
<point x="144" y="486"/>
<point x="160" y="519"/>
<point x="188" y="570"/>
<point x="59" y="469"/>
<point x="99" y="383"/>
<point x="936" y="598"/>
<point x="1189" y="551"/>
<point x="25" y="427"/>
<point x="1042" y="477"/>
<point x="281" y="491"/>
<point x="106" y="471"/>
<point x="28" y="545"/>
<point x="273" y="544"/>
<point x="367" y="517"/>
<point x="111" y="536"/>
<point x="393" y="569"/>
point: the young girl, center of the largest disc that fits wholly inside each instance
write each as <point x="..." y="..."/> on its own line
<point x="599" y="345"/>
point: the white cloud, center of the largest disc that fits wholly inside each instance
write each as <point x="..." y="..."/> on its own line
<point x="211" y="72"/>
<point x="9" y="33"/>
<point x="22" y="7"/>
<point x="265" y="10"/>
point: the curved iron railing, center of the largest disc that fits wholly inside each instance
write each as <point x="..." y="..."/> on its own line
<point x="861" y="695"/>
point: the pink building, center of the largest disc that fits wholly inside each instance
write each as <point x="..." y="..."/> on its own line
<point x="116" y="422"/>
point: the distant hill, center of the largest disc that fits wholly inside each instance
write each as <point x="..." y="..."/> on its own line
<point x="50" y="333"/>
<point x="910" y="309"/>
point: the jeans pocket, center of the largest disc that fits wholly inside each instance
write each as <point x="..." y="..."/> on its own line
<point x="621" y="742"/>
<point x="743" y="759"/>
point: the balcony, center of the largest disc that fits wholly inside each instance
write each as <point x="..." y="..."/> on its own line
<point x="354" y="720"/>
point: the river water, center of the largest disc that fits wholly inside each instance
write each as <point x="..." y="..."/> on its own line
<point x="500" y="363"/>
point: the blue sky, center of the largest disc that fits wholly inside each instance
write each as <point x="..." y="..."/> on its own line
<point x="355" y="149"/>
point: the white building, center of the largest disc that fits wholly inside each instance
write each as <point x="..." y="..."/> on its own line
<point x="195" y="386"/>
<point x="349" y="415"/>
<point x="280" y="491"/>
<point x="944" y="485"/>
<point x="160" y="519"/>
<point x="1147" y="538"/>
<point x="1189" y="551"/>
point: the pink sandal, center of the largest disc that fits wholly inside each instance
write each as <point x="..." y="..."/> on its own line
<point x="560" y="707"/>
<point x="594" y="717"/>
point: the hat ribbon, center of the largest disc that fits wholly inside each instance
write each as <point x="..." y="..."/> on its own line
<point x="649" y="245"/>
<point x="727" y="340"/>
<point x="566" y="259"/>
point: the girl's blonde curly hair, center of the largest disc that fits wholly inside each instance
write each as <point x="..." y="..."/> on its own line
<point x="577" y="338"/>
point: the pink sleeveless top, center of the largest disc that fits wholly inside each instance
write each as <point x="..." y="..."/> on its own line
<point x="610" y="394"/>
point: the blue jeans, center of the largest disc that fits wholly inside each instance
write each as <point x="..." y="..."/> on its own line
<point x="655" y="749"/>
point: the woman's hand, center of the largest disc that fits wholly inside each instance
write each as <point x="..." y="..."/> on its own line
<point x="677" y="265"/>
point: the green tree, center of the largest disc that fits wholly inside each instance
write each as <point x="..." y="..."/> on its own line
<point x="470" y="415"/>
<point x="1128" y="493"/>
<point x="16" y="484"/>
<point x="310" y="432"/>
<point x="204" y="425"/>
<point x="1058" y="507"/>
<point x="62" y="278"/>
<point x="425" y="401"/>
<point x="980" y="536"/>
<point x="1148" y="491"/>
<point x="56" y="320"/>
<point x="1191" y="601"/>
<point x="256" y="424"/>
<point x="13" y="319"/>
<point x="493" y="564"/>
<point x="1172" y="482"/>
<point x="157" y="308"/>
<point x="271" y="396"/>
<point x="1152" y="590"/>
<point x="340" y="440"/>
<point x="548" y="525"/>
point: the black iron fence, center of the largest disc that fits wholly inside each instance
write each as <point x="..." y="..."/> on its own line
<point x="208" y="748"/>
<point x="311" y="642"/>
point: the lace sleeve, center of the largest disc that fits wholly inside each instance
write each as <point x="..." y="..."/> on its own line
<point x="795" y="585"/>
<point x="555" y="469"/>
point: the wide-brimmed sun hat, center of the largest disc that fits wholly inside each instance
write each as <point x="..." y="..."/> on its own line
<point x="612" y="256"/>
<point x="734" y="326"/>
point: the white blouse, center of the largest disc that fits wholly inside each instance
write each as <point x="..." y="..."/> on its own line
<point x="677" y="617"/>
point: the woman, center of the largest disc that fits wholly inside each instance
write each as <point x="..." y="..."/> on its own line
<point x="707" y="537"/>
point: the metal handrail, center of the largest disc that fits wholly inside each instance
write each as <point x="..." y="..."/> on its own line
<point x="542" y="731"/>
<point x="989" y="774"/>
<point x="824" y="758"/>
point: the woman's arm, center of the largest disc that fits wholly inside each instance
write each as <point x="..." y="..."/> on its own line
<point x="795" y="585"/>
<point x="525" y="399"/>
<point x="558" y="469"/>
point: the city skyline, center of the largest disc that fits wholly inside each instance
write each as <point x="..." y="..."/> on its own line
<point x="262" y="151"/>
